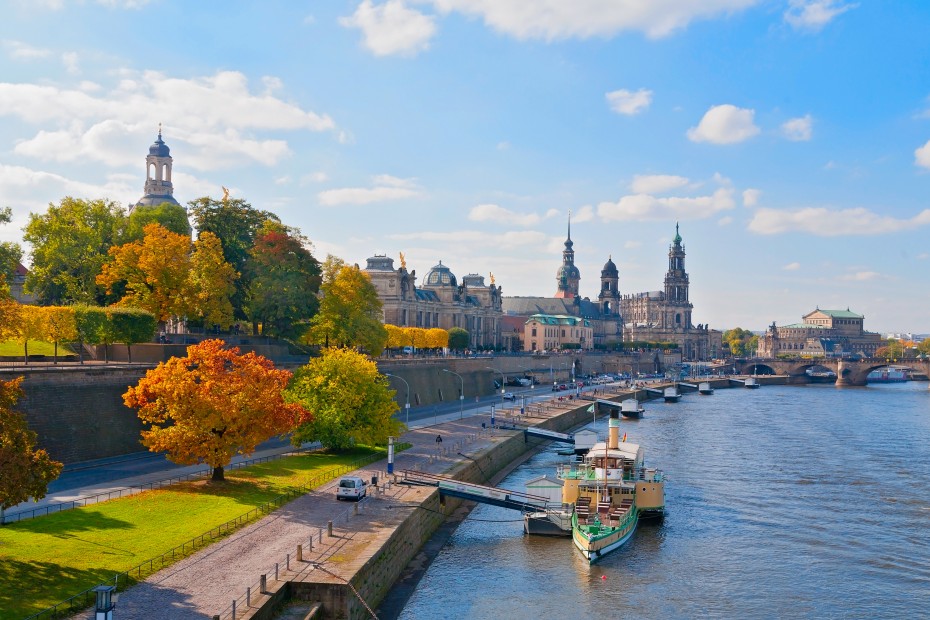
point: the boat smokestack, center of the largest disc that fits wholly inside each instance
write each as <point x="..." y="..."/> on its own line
<point x="613" y="431"/>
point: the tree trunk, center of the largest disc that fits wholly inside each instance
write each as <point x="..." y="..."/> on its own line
<point x="56" y="351"/>
<point x="218" y="474"/>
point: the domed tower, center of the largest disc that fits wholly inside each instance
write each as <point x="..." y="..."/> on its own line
<point x="609" y="297"/>
<point x="158" y="187"/>
<point x="678" y="308"/>
<point x="568" y="276"/>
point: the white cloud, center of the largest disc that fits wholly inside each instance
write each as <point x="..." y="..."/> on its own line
<point x="495" y="213"/>
<point x="792" y="267"/>
<point x="556" y="19"/>
<point x="476" y="237"/>
<point x="922" y="156"/>
<point x="391" y="28"/>
<point x="923" y="256"/>
<point x="551" y="213"/>
<point x="21" y="51"/>
<point x="726" y="220"/>
<point x="798" y="129"/>
<point x="831" y="222"/>
<point x="724" y="124"/>
<point x="314" y="177"/>
<point x="282" y="180"/>
<point x="628" y="102"/>
<point x="863" y="276"/>
<point x="643" y="207"/>
<point x="70" y="61"/>
<point x="813" y="15"/>
<point x="632" y="245"/>
<point x="386" y="188"/>
<point x="656" y="183"/>
<point x="751" y="197"/>
<point x="584" y="214"/>
<point x="99" y="124"/>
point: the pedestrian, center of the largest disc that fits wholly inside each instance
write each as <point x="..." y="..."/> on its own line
<point x="438" y="440"/>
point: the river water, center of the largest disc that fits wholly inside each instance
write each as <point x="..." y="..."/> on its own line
<point x="782" y="502"/>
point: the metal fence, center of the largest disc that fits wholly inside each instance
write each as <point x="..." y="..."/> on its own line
<point x="84" y="599"/>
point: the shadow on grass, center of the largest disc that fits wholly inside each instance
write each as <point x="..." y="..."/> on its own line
<point x="30" y="587"/>
<point x="64" y="523"/>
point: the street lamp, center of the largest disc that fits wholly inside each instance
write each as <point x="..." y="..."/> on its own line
<point x="407" y="404"/>
<point x="503" y="381"/>
<point x="106" y="601"/>
<point x="461" y="392"/>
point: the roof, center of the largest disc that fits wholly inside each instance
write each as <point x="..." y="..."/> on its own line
<point x="837" y="314"/>
<point x="558" y="319"/>
<point x="803" y="326"/>
<point x="624" y="450"/>
<point x="528" y="306"/>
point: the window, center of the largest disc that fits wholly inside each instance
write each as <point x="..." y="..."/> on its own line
<point x="533" y="334"/>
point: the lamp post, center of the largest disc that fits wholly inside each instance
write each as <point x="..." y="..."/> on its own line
<point x="503" y="381"/>
<point x="461" y="392"/>
<point x="106" y="601"/>
<point x="406" y="404"/>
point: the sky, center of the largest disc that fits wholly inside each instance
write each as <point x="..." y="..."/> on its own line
<point x="789" y="139"/>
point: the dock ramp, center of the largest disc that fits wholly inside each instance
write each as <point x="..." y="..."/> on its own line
<point x="505" y="498"/>
<point x="690" y="386"/>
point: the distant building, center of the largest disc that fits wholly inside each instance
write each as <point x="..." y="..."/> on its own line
<point x="821" y="333"/>
<point x="158" y="187"/>
<point x="17" y="283"/>
<point x="440" y="302"/>
<point x="546" y="332"/>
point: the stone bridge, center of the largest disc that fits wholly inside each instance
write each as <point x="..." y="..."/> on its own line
<point x="848" y="372"/>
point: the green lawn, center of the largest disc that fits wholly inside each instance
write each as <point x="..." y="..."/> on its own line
<point x="36" y="347"/>
<point x="46" y="560"/>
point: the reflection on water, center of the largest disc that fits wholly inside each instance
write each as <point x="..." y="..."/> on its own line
<point x="782" y="502"/>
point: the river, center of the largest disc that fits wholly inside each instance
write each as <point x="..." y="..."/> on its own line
<point x="782" y="502"/>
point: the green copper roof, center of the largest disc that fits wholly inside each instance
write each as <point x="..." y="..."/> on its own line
<point x="842" y="314"/>
<point x="677" y="236"/>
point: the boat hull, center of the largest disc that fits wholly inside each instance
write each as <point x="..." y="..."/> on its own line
<point x="706" y="392"/>
<point x="593" y="548"/>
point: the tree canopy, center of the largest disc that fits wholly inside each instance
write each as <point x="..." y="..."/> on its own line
<point x="350" y="310"/>
<point x="213" y="404"/>
<point x="170" y="215"/>
<point x="740" y="341"/>
<point x="458" y="338"/>
<point x="24" y="471"/>
<point x="69" y="247"/>
<point x="11" y="254"/>
<point x="350" y="400"/>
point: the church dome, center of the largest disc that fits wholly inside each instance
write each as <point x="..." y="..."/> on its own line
<point x="568" y="272"/>
<point x="440" y="275"/>
<point x="159" y="148"/>
<point x="610" y="269"/>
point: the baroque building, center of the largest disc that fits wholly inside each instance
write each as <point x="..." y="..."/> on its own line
<point x="654" y="316"/>
<point x="821" y="333"/>
<point x="441" y="301"/>
<point x="158" y="187"/>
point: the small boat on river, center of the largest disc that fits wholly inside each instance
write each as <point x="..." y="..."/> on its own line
<point x="704" y="389"/>
<point x="630" y="408"/>
<point x="751" y="383"/>
<point x="671" y="394"/>
<point x="610" y="491"/>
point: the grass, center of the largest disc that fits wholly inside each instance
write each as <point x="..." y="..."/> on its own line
<point x="44" y="561"/>
<point x="36" y="347"/>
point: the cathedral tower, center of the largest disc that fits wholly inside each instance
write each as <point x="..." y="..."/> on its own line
<point x="158" y="187"/>
<point x="609" y="297"/>
<point x="678" y="308"/>
<point x="568" y="276"/>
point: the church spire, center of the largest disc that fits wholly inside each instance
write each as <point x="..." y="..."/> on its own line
<point x="568" y="276"/>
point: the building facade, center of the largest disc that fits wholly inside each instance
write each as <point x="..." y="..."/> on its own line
<point x="821" y="333"/>
<point x="546" y="332"/>
<point x="441" y="301"/>
<point x="158" y="187"/>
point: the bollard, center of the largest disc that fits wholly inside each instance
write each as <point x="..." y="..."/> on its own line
<point x="248" y="596"/>
<point x="234" y="611"/>
<point x="329" y="529"/>
<point x="216" y="617"/>
<point x="287" y="566"/>
<point x="311" y="543"/>
<point x="263" y="584"/>
<point x="275" y="571"/>
<point x="355" y="509"/>
<point x="300" y="553"/>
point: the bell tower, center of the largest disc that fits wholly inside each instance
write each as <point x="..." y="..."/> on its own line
<point x="158" y="187"/>
<point x="568" y="277"/>
<point x="678" y="308"/>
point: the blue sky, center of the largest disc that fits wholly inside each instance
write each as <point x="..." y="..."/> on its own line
<point x="790" y="138"/>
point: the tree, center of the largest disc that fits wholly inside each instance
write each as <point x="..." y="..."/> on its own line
<point x="155" y="271"/>
<point x="24" y="471"/>
<point x="60" y="326"/>
<point x="69" y="247"/>
<point x="395" y="336"/>
<point x="11" y="254"/>
<point x="350" y="400"/>
<point x="436" y="338"/>
<point x="170" y="215"/>
<point x="350" y="310"/>
<point x="212" y="404"/>
<point x="458" y="339"/>
<point x="236" y="224"/>
<point x="924" y="346"/>
<point x="9" y="312"/>
<point x="131" y="326"/>
<point x="31" y="327"/>
<point x="284" y="279"/>
<point x="740" y="341"/>
<point x="212" y="282"/>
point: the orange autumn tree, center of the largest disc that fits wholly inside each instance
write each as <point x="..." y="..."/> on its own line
<point x="213" y="404"/>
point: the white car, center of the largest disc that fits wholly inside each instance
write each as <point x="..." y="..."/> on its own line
<point x="510" y="396"/>
<point x="351" y="487"/>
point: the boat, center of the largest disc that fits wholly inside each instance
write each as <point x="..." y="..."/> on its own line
<point x="887" y="375"/>
<point x="751" y="383"/>
<point x="820" y="376"/>
<point x="610" y="491"/>
<point x="671" y="394"/>
<point x="704" y="389"/>
<point x="630" y="408"/>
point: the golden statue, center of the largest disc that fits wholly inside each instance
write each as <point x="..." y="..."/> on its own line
<point x="225" y="195"/>
<point x="403" y="261"/>
<point x="492" y="279"/>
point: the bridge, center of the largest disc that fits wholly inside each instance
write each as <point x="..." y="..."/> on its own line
<point x="505" y="498"/>
<point x="848" y="372"/>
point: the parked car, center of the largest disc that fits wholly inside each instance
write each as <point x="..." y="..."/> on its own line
<point x="510" y="396"/>
<point x="351" y="487"/>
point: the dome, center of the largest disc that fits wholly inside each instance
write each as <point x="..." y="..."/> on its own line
<point x="610" y="269"/>
<point x="568" y="272"/>
<point x="151" y="200"/>
<point x="159" y="148"/>
<point x="440" y="275"/>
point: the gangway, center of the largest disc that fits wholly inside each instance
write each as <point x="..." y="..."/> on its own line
<point x="653" y="390"/>
<point x="737" y="381"/>
<point x="450" y="487"/>
<point x="690" y="386"/>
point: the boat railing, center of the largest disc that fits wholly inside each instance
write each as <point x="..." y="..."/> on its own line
<point x="585" y="471"/>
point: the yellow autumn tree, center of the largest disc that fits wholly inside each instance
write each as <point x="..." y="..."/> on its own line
<point x="213" y="404"/>
<point x="60" y="326"/>
<point x="436" y="338"/>
<point x="395" y="336"/>
<point x="31" y="326"/>
<point x="212" y="282"/>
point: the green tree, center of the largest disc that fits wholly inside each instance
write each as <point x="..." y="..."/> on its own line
<point x="284" y="279"/>
<point x="740" y="341"/>
<point x="60" y="325"/>
<point x="924" y="346"/>
<point x="458" y="339"/>
<point x="9" y="312"/>
<point x="236" y="224"/>
<point x="170" y="215"/>
<point x="11" y="254"/>
<point x="212" y="282"/>
<point x="350" y="310"/>
<point x="24" y="471"/>
<point x="351" y="401"/>
<point x="69" y="247"/>
<point x="131" y="326"/>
